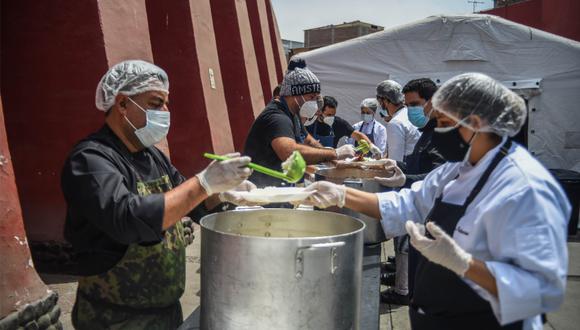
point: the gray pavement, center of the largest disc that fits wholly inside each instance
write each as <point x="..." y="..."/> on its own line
<point x="392" y="317"/>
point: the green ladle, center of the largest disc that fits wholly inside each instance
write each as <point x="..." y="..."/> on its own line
<point x="294" y="167"/>
<point x="363" y="147"/>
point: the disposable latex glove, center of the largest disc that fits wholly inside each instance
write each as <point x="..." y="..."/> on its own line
<point x="233" y="196"/>
<point x="441" y="250"/>
<point x="220" y="176"/>
<point x="396" y="180"/>
<point x="375" y="151"/>
<point x="345" y="151"/>
<point x="325" y="194"/>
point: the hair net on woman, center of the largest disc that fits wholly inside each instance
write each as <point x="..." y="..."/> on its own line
<point x="129" y="78"/>
<point x="501" y="110"/>
<point x="370" y="103"/>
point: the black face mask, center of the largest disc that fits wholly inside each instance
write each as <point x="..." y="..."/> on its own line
<point x="451" y="145"/>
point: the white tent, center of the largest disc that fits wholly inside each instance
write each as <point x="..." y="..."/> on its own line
<point x="542" y="67"/>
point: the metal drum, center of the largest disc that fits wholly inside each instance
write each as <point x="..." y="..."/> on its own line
<point x="374" y="230"/>
<point x="280" y="269"/>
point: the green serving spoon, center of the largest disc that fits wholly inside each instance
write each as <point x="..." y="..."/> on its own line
<point x="294" y="167"/>
<point x="363" y="147"/>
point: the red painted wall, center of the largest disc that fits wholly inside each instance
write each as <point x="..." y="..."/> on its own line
<point x="174" y="48"/>
<point x="53" y="55"/>
<point x="264" y="52"/>
<point x="19" y="282"/>
<point x="555" y="16"/>
<point x="244" y="96"/>
<point x="52" y="59"/>
<point x="279" y="56"/>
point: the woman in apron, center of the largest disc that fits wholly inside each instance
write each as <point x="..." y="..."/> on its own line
<point x="492" y="253"/>
<point x="375" y="131"/>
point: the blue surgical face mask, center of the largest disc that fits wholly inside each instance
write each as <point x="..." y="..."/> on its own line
<point x="382" y="111"/>
<point x="417" y="116"/>
<point x="155" y="129"/>
<point x="366" y="117"/>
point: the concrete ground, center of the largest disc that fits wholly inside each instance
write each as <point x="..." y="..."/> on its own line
<point x="392" y="316"/>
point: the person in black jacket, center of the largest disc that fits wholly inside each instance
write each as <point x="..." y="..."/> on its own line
<point x="424" y="159"/>
<point x="125" y="201"/>
<point x="425" y="156"/>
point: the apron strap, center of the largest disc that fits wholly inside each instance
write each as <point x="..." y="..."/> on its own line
<point x="315" y="129"/>
<point x="482" y="181"/>
<point x="500" y="155"/>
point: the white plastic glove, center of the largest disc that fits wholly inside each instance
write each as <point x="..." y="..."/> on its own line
<point x="233" y="196"/>
<point x="442" y="250"/>
<point x="398" y="179"/>
<point x="325" y="194"/>
<point x="375" y="151"/>
<point x="220" y="176"/>
<point x="345" y="151"/>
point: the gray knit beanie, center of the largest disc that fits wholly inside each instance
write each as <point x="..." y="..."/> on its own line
<point x="299" y="81"/>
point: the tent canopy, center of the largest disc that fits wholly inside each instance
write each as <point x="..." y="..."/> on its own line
<point x="542" y="67"/>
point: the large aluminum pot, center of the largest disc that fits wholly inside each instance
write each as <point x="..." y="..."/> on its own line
<point x="373" y="233"/>
<point x="280" y="269"/>
<point x="374" y="230"/>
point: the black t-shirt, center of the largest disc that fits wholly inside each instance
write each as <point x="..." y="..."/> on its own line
<point x="274" y="122"/>
<point x="340" y="128"/>
<point x="105" y="213"/>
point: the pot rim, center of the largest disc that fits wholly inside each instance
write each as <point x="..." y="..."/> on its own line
<point x="240" y="236"/>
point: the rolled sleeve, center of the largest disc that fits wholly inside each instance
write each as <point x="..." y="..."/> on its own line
<point x="412" y="203"/>
<point x="394" y="209"/>
<point x="518" y="293"/>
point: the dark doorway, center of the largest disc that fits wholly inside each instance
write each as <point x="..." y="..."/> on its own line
<point x="522" y="136"/>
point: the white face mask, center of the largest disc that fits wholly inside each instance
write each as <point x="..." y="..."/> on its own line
<point x="328" y="120"/>
<point x="308" y="108"/>
<point x="367" y="117"/>
<point x="155" y="129"/>
<point x="310" y="121"/>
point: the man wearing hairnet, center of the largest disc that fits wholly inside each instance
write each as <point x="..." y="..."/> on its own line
<point x="488" y="228"/>
<point x="402" y="136"/>
<point x="124" y="205"/>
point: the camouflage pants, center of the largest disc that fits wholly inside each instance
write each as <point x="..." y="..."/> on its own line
<point x="94" y="316"/>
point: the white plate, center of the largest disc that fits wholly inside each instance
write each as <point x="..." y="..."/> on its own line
<point x="276" y="195"/>
<point x="366" y="162"/>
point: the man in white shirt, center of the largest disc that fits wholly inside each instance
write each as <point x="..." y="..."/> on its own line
<point x="401" y="134"/>
<point x="493" y="251"/>
<point x="401" y="139"/>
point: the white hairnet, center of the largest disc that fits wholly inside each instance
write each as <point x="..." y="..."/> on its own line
<point x="129" y="78"/>
<point x="503" y="111"/>
<point x="392" y="91"/>
<point x="370" y="103"/>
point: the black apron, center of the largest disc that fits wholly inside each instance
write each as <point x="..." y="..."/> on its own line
<point x="447" y="302"/>
<point x="326" y="141"/>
